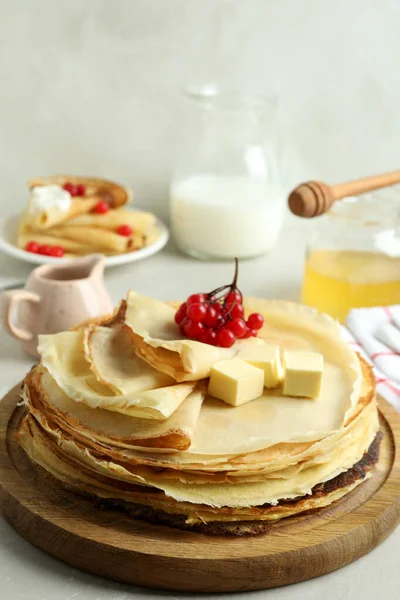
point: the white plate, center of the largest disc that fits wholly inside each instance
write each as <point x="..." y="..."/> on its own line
<point x="8" y="236"/>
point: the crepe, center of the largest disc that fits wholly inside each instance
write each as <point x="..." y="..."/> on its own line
<point x="139" y="221"/>
<point x="63" y="356"/>
<point x="97" y="457"/>
<point x="65" y="469"/>
<point x="205" y="463"/>
<point x="53" y="409"/>
<point x="48" y="239"/>
<point x="152" y="328"/>
<point x="108" y="241"/>
<point x="113" y="360"/>
<point x="115" y="195"/>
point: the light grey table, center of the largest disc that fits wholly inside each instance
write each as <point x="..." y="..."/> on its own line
<point x="27" y="573"/>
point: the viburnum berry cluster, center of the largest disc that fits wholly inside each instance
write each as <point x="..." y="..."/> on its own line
<point x="217" y="318"/>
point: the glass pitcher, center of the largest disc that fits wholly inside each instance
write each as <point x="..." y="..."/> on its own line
<point x="353" y="256"/>
<point x="228" y="197"/>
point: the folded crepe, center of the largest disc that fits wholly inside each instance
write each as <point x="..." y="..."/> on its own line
<point x="150" y="394"/>
<point x="54" y="410"/>
<point x="153" y="331"/>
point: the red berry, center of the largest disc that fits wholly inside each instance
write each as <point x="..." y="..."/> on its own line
<point x="125" y="230"/>
<point x="237" y="326"/>
<point x="196" y="298"/>
<point x="81" y="189"/>
<point x="237" y="311"/>
<point x="56" y="251"/>
<point x="182" y="326"/>
<point x="255" y="321"/>
<point x="32" y="247"/>
<point x="249" y="333"/>
<point x="218" y="307"/>
<point x="225" y="338"/>
<point x="234" y="298"/>
<point x="197" y="312"/>
<point x="193" y="330"/>
<point x="101" y="207"/>
<point x="71" y="188"/>
<point x="212" y="316"/>
<point x="209" y="336"/>
<point x="45" y="250"/>
<point x="180" y="313"/>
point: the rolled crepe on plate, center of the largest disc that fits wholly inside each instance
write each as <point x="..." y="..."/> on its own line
<point x="141" y="222"/>
<point x="97" y="238"/>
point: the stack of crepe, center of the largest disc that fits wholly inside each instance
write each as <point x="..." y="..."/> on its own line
<point x="81" y="231"/>
<point x="118" y="411"/>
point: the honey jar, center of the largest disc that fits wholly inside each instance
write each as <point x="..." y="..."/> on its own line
<point x="353" y="255"/>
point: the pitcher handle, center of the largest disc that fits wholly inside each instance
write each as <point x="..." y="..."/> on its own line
<point x="8" y="302"/>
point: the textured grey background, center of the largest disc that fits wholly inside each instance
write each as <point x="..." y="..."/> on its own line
<point x="93" y="86"/>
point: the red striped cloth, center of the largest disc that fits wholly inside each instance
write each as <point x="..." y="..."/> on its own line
<point x="375" y="334"/>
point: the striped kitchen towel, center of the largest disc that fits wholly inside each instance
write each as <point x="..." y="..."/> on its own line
<point x="375" y="334"/>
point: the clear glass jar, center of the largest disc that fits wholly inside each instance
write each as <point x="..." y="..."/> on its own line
<point x="227" y="195"/>
<point x="353" y="256"/>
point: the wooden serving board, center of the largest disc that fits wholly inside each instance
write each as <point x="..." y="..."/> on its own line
<point x="111" y="544"/>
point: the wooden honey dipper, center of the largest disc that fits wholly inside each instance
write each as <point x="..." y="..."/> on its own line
<point x="314" y="198"/>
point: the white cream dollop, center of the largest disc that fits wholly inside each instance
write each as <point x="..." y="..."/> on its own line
<point x="49" y="197"/>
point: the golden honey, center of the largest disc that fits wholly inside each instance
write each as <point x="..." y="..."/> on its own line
<point x="337" y="280"/>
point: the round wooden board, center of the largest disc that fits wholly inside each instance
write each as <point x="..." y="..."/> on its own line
<point x="111" y="544"/>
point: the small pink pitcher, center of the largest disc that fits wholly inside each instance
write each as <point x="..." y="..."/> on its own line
<point x="55" y="299"/>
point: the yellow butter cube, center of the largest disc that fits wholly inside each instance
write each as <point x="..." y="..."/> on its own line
<point x="303" y="373"/>
<point x="265" y="357"/>
<point x="235" y="381"/>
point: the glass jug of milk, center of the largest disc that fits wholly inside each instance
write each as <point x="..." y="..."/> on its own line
<point x="227" y="196"/>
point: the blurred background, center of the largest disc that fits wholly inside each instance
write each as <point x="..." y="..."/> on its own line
<point x="96" y="87"/>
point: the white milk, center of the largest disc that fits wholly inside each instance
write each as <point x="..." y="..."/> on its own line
<point x="226" y="216"/>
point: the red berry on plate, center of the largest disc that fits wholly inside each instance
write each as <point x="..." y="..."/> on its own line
<point x="44" y="250"/>
<point x="225" y="338"/>
<point x="193" y="330"/>
<point x="180" y="313"/>
<point x="196" y="298"/>
<point x="71" y="188"/>
<point x="237" y="311"/>
<point x="255" y="321"/>
<point x="125" y="230"/>
<point x="80" y="189"/>
<point x="32" y="247"/>
<point x="237" y="326"/>
<point x="197" y="311"/>
<point x="253" y="332"/>
<point x="56" y="251"/>
<point x="101" y="207"/>
<point x="212" y="316"/>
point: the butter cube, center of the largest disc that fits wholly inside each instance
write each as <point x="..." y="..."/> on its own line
<point x="235" y="381"/>
<point x="303" y="373"/>
<point x="265" y="357"/>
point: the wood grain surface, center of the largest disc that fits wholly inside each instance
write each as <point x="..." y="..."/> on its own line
<point x="111" y="544"/>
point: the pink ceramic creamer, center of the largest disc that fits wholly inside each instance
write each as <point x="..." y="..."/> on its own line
<point x="55" y="299"/>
